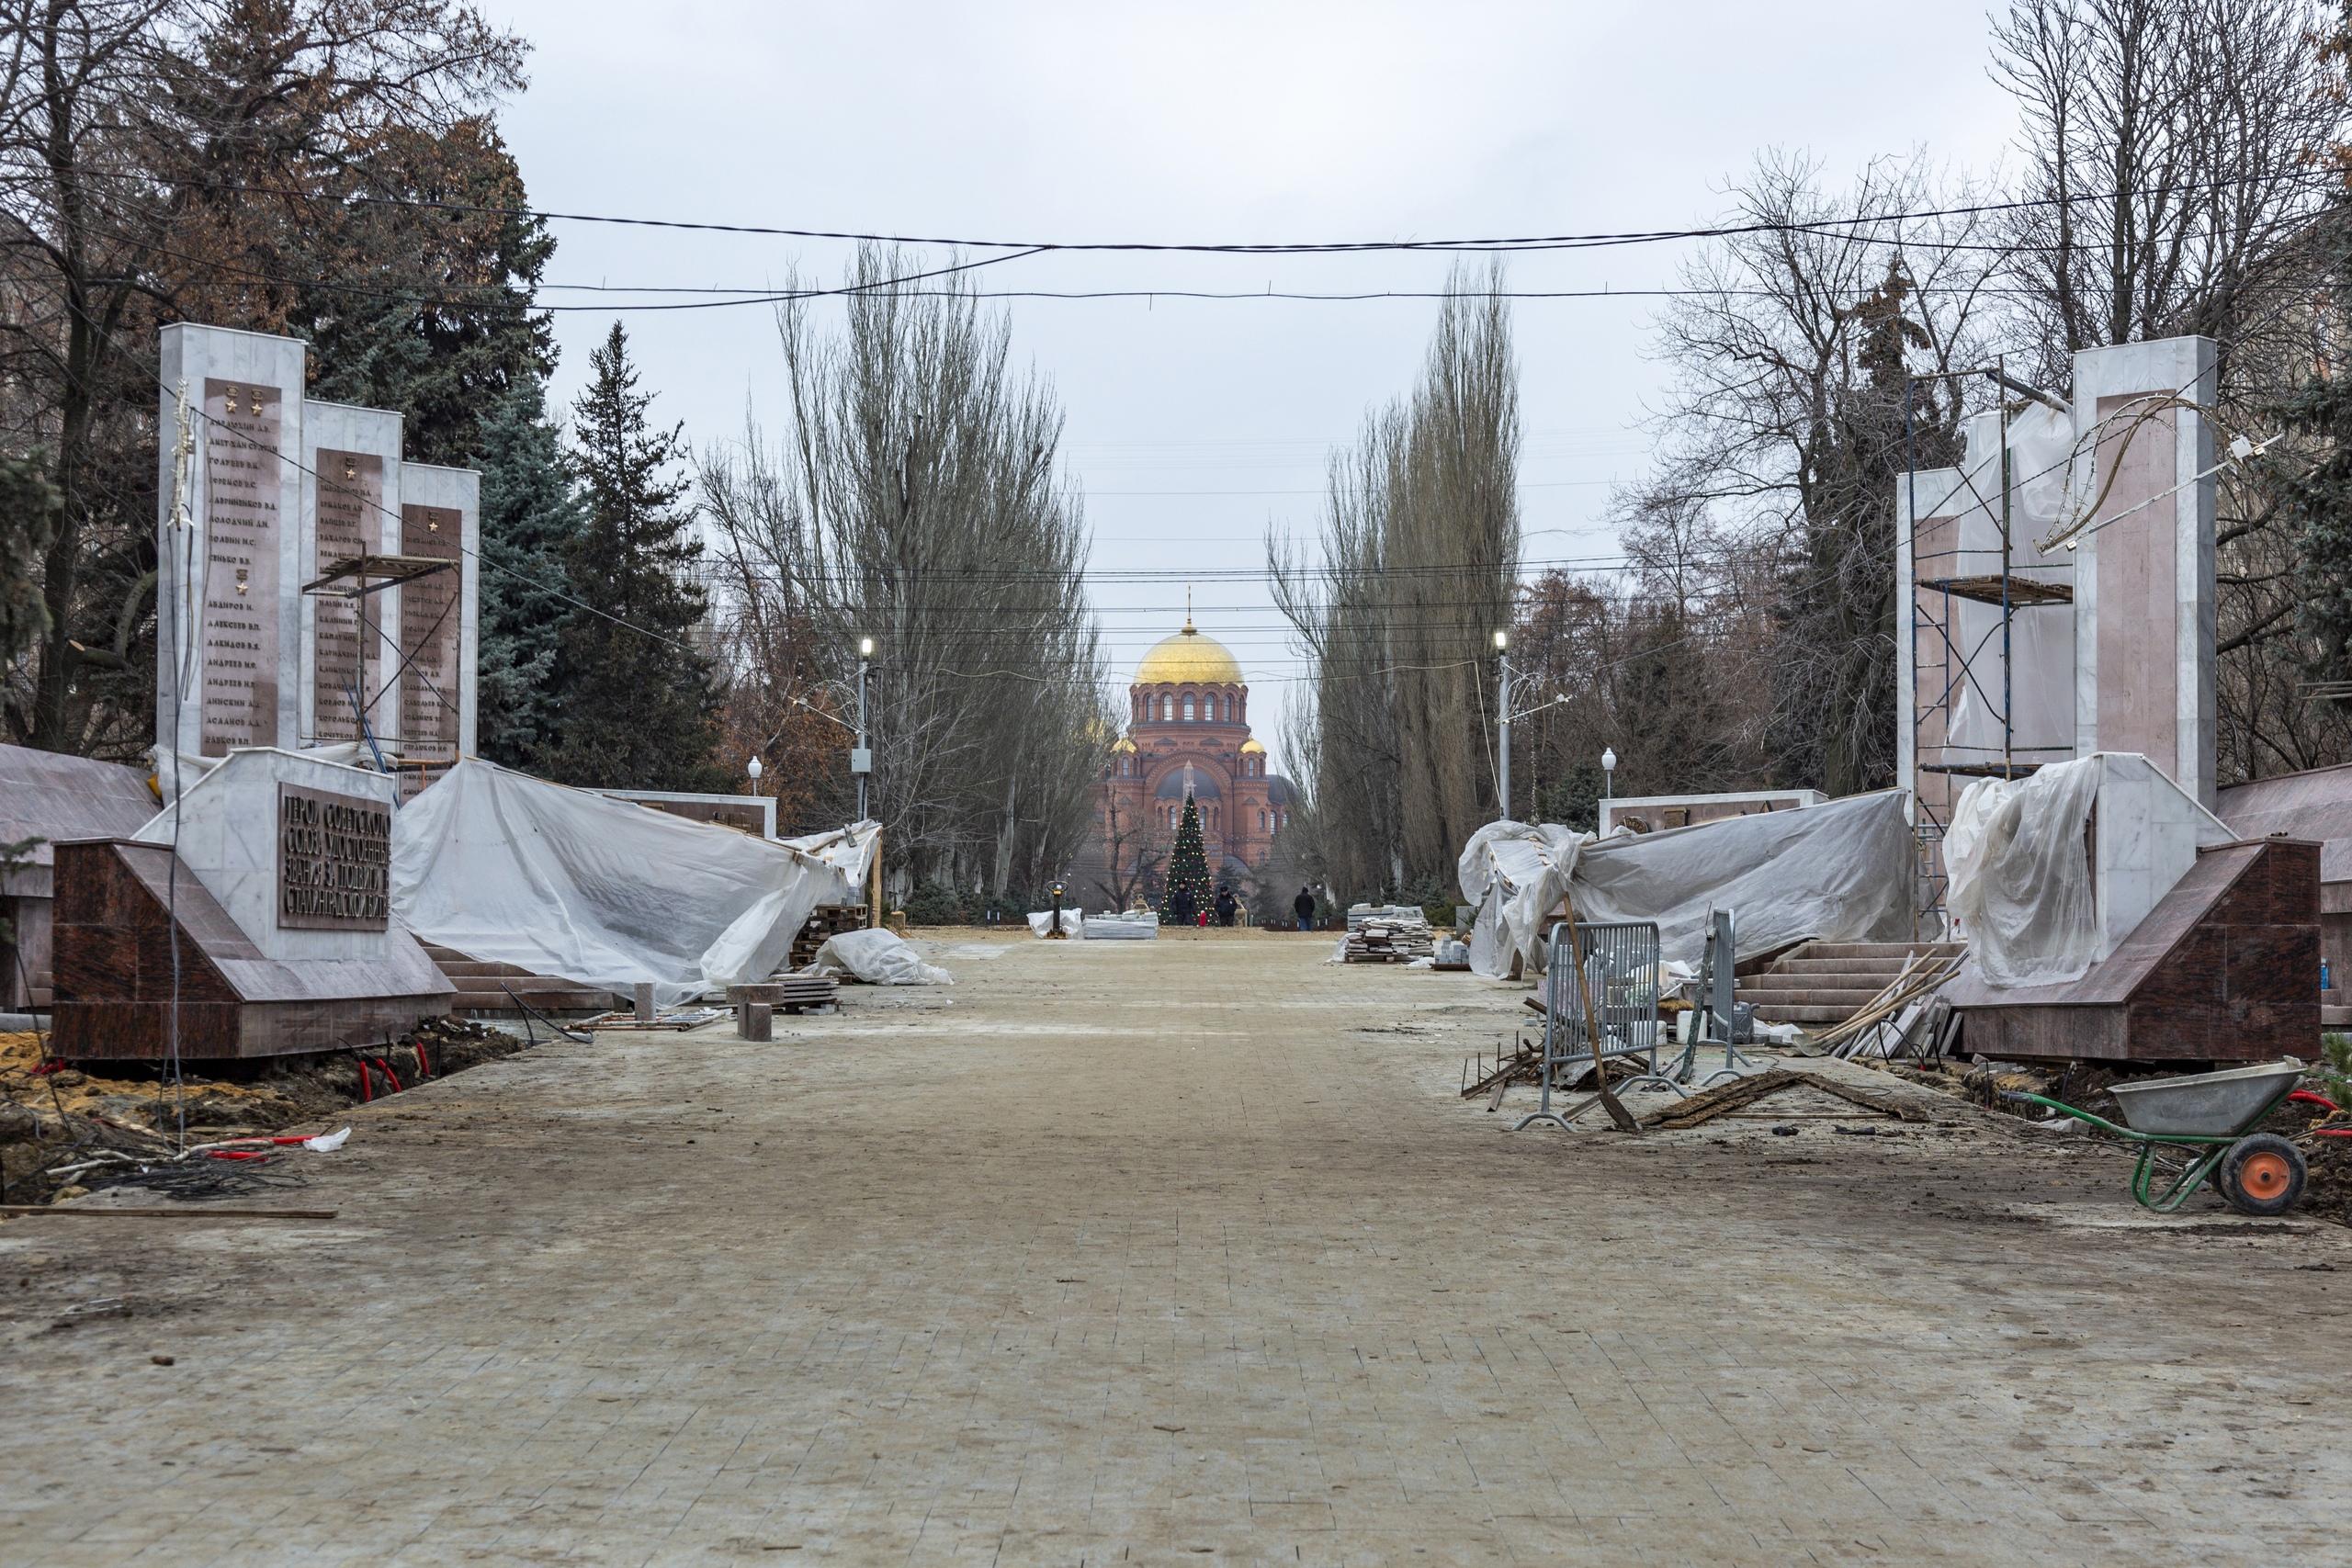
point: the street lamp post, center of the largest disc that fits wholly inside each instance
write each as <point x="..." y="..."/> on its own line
<point x="1608" y="773"/>
<point x="1502" y="729"/>
<point x="752" y="768"/>
<point x="860" y="760"/>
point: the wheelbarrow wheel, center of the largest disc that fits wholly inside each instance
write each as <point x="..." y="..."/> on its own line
<point x="2263" y="1174"/>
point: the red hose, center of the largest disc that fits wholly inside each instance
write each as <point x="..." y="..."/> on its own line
<point x="386" y="1063"/>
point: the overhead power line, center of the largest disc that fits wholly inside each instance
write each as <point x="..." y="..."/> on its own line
<point x="1488" y="246"/>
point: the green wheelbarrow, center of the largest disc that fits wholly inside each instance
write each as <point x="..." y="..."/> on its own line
<point x="2195" y="1129"/>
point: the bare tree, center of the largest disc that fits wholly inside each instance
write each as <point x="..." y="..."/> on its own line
<point x="2179" y="156"/>
<point x="915" y="501"/>
<point x="1418" y="558"/>
<point x="1793" y="409"/>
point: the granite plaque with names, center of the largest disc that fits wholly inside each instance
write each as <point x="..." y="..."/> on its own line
<point x="240" y="637"/>
<point x="347" y="638"/>
<point x="430" y="628"/>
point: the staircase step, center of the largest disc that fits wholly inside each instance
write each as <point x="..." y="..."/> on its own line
<point x="1800" y="1012"/>
<point x="1817" y="995"/>
<point x="1895" y="950"/>
<point x="1808" y="965"/>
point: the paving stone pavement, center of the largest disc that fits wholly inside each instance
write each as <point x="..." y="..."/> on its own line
<point x="1173" y="1252"/>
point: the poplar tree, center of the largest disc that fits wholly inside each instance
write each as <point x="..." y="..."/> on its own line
<point x="633" y="695"/>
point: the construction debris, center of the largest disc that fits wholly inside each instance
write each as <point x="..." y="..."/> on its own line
<point x="1902" y="1003"/>
<point x="1387" y="939"/>
<point x="1708" y="1104"/>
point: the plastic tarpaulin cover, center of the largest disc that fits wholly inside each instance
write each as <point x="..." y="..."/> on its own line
<point x="1513" y="874"/>
<point x="2020" y="881"/>
<point x="1041" y="923"/>
<point x="848" y="849"/>
<point x="879" y="958"/>
<point x="511" y="869"/>
<point x="1839" y="872"/>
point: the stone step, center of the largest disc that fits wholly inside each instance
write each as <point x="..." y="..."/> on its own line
<point x="1801" y="1012"/>
<point x="1852" y="999"/>
<point x="1895" y="950"/>
<point x="1890" y="967"/>
<point x="2334" y="1017"/>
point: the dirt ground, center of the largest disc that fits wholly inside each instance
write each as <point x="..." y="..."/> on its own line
<point x="1183" y="1252"/>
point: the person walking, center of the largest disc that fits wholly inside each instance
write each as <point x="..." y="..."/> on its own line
<point x="1303" y="907"/>
<point x="1226" y="905"/>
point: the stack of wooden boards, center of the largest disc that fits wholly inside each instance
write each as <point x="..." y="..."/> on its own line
<point x="1388" y="940"/>
<point x="829" y="921"/>
<point x="799" y="993"/>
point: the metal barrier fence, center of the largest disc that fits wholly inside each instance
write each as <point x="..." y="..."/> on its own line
<point x="1717" y="1018"/>
<point x="1621" y="966"/>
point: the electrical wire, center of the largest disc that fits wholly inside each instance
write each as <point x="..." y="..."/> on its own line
<point x="1491" y="245"/>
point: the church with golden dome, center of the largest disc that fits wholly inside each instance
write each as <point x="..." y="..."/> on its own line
<point x="1188" y="729"/>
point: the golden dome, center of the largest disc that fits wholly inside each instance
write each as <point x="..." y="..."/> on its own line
<point x="1122" y="745"/>
<point x="1188" y="657"/>
<point x="1251" y="749"/>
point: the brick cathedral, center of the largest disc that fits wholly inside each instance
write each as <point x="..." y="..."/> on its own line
<point x="1188" y="728"/>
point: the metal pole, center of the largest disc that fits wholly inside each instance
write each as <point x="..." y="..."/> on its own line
<point x="861" y="735"/>
<point x="2008" y="729"/>
<point x="1504" y="730"/>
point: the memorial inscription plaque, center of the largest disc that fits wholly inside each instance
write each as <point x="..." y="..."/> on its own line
<point x="335" y="861"/>
<point x="240" y="534"/>
<point x="430" y="627"/>
<point x="345" y="637"/>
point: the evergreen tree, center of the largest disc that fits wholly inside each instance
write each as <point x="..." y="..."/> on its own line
<point x="448" y="352"/>
<point x="2315" y="486"/>
<point x="636" y="704"/>
<point x="1188" y="869"/>
<point x="531" y="519"/>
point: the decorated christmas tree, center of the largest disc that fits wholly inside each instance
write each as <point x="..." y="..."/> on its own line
<point x="1188" y="869"/>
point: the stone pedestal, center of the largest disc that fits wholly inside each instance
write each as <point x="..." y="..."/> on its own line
<point x="280" y="900"/>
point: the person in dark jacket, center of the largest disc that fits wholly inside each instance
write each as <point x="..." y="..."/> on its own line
<point x="1226" y="905"/>
<point x="1303" y="907"/>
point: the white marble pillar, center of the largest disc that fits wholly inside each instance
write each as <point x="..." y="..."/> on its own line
<point x="228" y="583"/>
<point x="441" y="614"/>
<point x="351" y="503"/>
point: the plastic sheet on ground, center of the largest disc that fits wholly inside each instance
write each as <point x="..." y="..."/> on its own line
<point x="511" y="869"/>
<point x="2020" y="883"/>
<point x="878" y="957"/>
<point x="1838" y="871"/>
<point x="1041" y="923"/>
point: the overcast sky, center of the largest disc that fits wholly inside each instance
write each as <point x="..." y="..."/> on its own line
<point x="1195" y="425"/>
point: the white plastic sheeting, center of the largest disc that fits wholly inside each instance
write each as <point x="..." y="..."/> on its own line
<point x="1838" y="871"/>
<point x="848" y="849"/>
<point x="511" y="869"/>
<point x="1513" y="874"/>
<point x="2020" y="883"/>
<point x="2041" y="647"/>
<point x="879" y="958"/>
<point x="1041" y="923"/>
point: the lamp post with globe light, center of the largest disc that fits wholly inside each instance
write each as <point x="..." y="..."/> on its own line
<point x="860" y="760"/>
<point x="1608" y="775"/>
<point x="1502" y="729"/>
